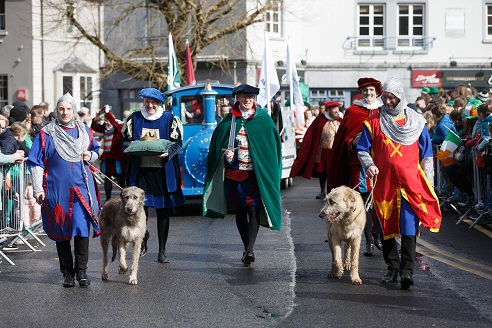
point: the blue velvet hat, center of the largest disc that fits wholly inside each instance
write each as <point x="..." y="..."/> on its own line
<point x="153" y="93"/>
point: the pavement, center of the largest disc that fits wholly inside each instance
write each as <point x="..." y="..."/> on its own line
<point x="205" y="285"/>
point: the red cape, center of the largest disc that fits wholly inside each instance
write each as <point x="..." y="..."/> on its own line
<point x="304" y="162"/>
<point x="339" y="162"/>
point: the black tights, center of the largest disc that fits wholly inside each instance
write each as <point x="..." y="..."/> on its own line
<point x="81" y="251"/>
<point x="162" y="225"/>
<point x="322" y="182"/>
<point x="248" y="224"/>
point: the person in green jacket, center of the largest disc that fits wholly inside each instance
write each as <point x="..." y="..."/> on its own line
<point x="244" y="167"/>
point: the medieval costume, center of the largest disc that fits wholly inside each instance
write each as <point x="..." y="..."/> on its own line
<point x="401" y="150"/>
<point x="316" y="148"/>
<point x="71" y="196"/>
<point x="344" y="166"/>
<point x="158" y="176"/>
<point x="250" y="181"/>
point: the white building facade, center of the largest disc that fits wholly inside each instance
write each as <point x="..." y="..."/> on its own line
<point x="42" y="56"/>
<point x="425" y="43"/>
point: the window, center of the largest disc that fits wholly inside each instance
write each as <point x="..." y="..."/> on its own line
<point x="191" y="109"/>
<point x="4" y="90"/>
<point x="273" y="19"/>
<point x="2" y="15"/>
<point x="317" y="94"/>
<point x="336" y="93"/>
<point x="371" y="26"/>
<point x="410" y="26"/>
<point x="85" y="91"/>
<point x="488" y="21"/>
<point x="68" y="85"/>
<point x="130" y="99"/>
<point x="323" y="95"/>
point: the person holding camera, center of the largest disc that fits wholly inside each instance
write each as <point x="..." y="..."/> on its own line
<point x="112" y="158"/>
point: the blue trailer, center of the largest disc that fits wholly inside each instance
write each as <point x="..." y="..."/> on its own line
<point x="196" y="106"/>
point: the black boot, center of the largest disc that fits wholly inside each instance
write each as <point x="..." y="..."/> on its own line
<point x="68" y="280"/>
<point x="406" y="280"/>
<point x="82" y="279"/>
<point x="64" y="251"/>
<point x="408" y="253"/>
<point x="391" y="276"/>
<point x="143" y="249"/>
<point x="248" y="258"/>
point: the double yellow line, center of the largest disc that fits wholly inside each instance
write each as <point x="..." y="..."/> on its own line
<point x="440" y="255"/>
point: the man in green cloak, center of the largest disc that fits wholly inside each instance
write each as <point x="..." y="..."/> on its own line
<point x="244" y="166"/>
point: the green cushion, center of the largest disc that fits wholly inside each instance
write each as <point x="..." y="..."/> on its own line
<point x="148" y="148"/>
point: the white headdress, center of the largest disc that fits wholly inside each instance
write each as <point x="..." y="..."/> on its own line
<point x="67" y="97"/>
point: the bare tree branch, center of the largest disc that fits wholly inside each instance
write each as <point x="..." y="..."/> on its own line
<point x="203" y="22"/>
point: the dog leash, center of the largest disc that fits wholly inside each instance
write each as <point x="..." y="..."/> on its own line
<point x="368" y="203"/>
<point x="91" y="201"/>
<point x="370" y="198"/>
<point x="104" y="175"/>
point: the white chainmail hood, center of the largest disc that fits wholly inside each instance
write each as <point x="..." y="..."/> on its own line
<point x="414" y="122"/>
<point x="67" y="97"/>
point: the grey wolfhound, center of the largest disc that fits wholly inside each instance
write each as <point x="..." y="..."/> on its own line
<point x="123" y="221"/>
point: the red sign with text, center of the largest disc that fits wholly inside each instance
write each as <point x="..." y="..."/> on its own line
<point x="426" y="78"/>
<point x="22" y="94"/>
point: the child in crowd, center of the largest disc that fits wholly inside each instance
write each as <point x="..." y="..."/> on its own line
<point x="36" y="121"/>
<point x="444" y="124"/>
<point x="19" y="132"/>
<point x="8" y="144"/>
<point x="32" y="208"/>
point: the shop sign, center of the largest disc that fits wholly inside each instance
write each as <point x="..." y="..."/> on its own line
<point x="477" y="78"/>
<point x="426" y="78"/>
<point x="21" y="94"/>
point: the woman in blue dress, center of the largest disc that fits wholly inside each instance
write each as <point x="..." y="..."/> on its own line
<point x="64" y="186"/>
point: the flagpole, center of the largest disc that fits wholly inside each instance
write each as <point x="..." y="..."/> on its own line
<point x="451" y="131"/>
<point x="291" y="83"/>
<point x="267" y="76"/>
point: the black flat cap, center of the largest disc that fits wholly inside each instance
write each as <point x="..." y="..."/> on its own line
<point x="245" y="89"/>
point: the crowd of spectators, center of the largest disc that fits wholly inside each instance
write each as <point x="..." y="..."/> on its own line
<point x="465" y="112"/>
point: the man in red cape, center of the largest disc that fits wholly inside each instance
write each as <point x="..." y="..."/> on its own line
<point x="316" y="148"/>
<point x="344" y="164"/>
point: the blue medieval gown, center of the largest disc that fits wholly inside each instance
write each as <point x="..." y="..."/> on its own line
<point x="67" y="210"/>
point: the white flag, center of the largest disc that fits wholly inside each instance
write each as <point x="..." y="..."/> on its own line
<point x="268" y="82"/>
<point x="296" y="101"/>
<point x="173" y="74"/>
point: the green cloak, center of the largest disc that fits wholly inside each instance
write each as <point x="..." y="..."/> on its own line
<point x="266" y="153"/>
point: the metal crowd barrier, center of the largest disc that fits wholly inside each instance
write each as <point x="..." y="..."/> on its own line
<point x="443" y="187"/>
<point x="481" y="184"/>
<point x="482" y="193"/>
<point x="15" y="222"/>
